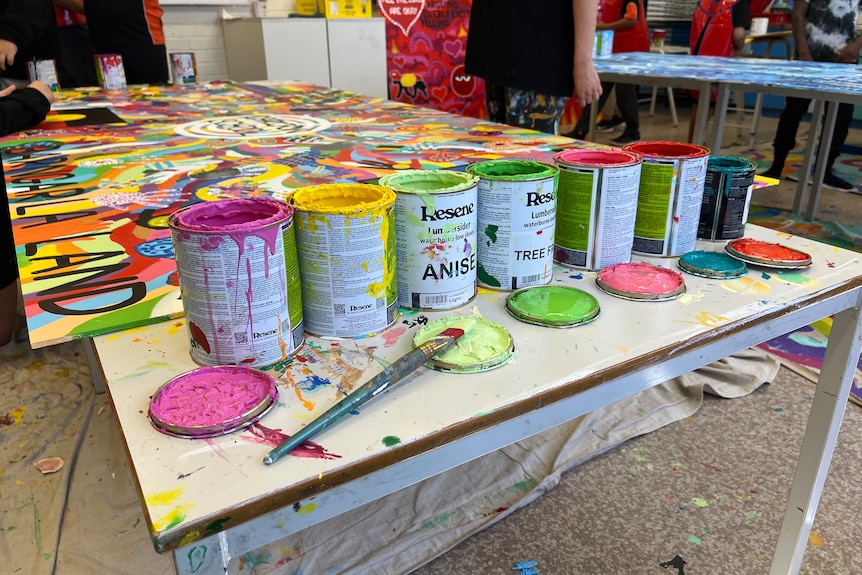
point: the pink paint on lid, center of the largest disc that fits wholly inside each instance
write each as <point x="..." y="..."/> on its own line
<point x="597" y="158"/>
<point x="211" y="401"/>
<point x="638" y="280"/>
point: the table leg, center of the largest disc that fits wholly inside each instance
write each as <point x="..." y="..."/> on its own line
<point x="721" y="100"/>
<point x="702" y="118"/>
<point x="821" y="433"/>
<point x="207" y="556"/>
<point x="810" y="145"/>
<point x="820" y="164"/>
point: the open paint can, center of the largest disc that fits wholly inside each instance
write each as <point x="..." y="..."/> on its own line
<point x="345" y="237"/>
<point x="669" y="197"/>
<point x="553" y="306"/>
<point x="435" y="230"/>
<point x="212" y="401"/>
<point x="726" y="198"/>
<point x="516" y="220"/>
<point x="239" y="280"/>
<point x="639" y="281"/>
<point x="485" y="345"/>
<point x="597" y="198"/>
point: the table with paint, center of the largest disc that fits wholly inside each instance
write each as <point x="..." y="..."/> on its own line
<point x="101" y="264"/>
<point x="821" y="82"/>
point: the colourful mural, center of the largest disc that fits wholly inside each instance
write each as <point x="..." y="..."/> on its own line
<point x="91" y="189"/>
<point x="425" y="45"/>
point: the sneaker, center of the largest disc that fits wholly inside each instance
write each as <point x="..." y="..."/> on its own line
<point x="612" y="125"/>
<point x="771" y="173"/>
<point x="830" y="180"/>
<point x="624" y="139"/>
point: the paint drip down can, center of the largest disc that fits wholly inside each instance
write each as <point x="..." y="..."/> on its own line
<point x="239" y="280"/>
<point x="345" y="236"/>
<point x="596" y="206"/>
<point x="726" y="198"/>
<point x="669" y="197"/>
<point x="517" y="204"/>
<point x="435" y="222"/>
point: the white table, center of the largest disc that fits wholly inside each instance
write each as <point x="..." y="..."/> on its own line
<point x="210" y="500"/>
<point x="820" y="81"/>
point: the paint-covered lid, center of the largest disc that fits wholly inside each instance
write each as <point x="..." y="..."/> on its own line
<point x="767" y="254"/>
<point x="513" y="170"/>
<point x="715" y="265"/>
<point x="590" y="158"/>
<point x="484" y="345"/>
<point x="429" y="181"/>
<point x="641" y="281"/>
<point x="553" y="306"/>
<point x="212" y="401"/>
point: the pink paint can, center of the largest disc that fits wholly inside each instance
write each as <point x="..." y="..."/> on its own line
<point x="669" y="197"/>
<point x="597" y="199"/>
<point x="110" y="71"/>
<point x="239" y="280"/>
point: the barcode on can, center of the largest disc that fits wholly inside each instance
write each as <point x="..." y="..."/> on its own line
<point x="525" y="281"/>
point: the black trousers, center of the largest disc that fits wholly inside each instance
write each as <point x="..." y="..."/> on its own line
<point x="627" y="102"/>
<point x="788" y="124"/>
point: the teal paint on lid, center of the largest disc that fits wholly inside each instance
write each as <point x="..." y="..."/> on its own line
<point x="715" y="265"/>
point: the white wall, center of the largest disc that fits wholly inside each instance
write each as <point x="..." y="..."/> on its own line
<point x="198" y="29"/>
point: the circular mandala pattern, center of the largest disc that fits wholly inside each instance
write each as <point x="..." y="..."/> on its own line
<point x="252" y="127"/>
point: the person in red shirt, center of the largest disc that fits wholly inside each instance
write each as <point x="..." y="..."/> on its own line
<point x="627" y="18"/>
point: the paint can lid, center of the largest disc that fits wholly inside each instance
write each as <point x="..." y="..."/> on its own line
<point x="767" y="254"/>
<point x="714" y="265"/>
<point x="485" y="345"/>
<point x="553" y="306"/>
<point x="212" y="401"/>
<point x="641" y="281"/>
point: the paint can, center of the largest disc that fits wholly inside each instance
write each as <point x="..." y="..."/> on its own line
<point x="239" y="280"/>
<point x="516" y="216"/>
<point x="212" y="401"/>
<point x="44" y="71"/>
<point x="435" y="230"/>
<point x="345" y="237"/>
<point x="669" y="197"/>
<point x="485" y="344"/>
<point x="184" y="70"/>
<point x="726" y="198"/>
<point x="596" y="206"/>
<point x="110" y="71"/>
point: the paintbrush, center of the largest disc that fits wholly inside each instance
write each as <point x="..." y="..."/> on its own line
<point x="399" y="369"/>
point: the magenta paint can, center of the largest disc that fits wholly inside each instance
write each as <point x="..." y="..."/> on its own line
<point x="110" y="71"/>
<point x="669" y="197"/>
<point x="597" y="199"/>
<point x="239" y="280"/>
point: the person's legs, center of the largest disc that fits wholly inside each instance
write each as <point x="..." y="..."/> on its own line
<point x="579" y="132"/>
<point x="8" y="273"/>
<point x="839" y="135"/>
<point x="8" y="312"/>
<point x="627" y="101"/>
<point x="785" y="134"/>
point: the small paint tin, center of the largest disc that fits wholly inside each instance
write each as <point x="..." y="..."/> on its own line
<point x="597" y="198"/>
<point x="435" y="231"/>
<point x="713" y="265"/>
<point x="726" y="198"/>
<point x="767" y="254"/>
<point x="44" y="71"/>
<point x="639" y="281"/>
<point x="669" y="197"/>
<point x="184" y="70"/>
<point x="553" y="306"/>
<point x="517" y="202"/>
<point x="212" y="401"/>
<point x="110" y="71"/>
<point x="345" y="236"/>
<point x="485" y="345"/>
<point x="239" y="280"/>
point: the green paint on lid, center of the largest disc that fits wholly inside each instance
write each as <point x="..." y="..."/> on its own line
<point x="513" y="170"/>
<point x="484" y="345"/>
<point x="553" y="306"/>
<point x="429" y="181"/>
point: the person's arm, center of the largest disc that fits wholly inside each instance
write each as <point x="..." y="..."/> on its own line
<point x="797" y="21"/>
<point x="629" y="19"/>
<point x="588" y="88"/>
<point x="24" y="107"/>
